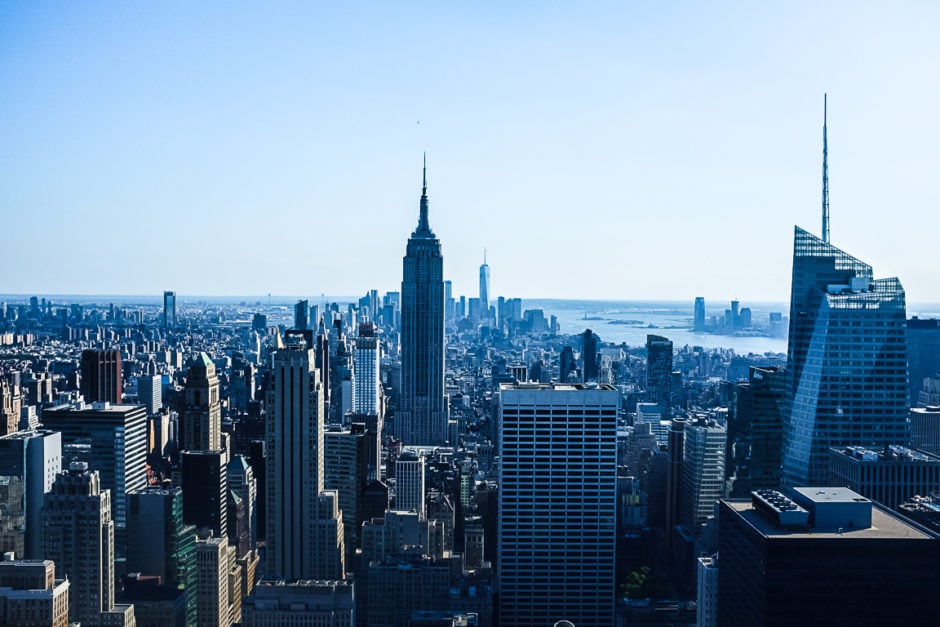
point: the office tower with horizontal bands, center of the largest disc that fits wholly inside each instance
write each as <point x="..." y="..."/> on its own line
<point x="293" y="464"/>
<point x="422" y="416"/>
<point x="703" y="471"/>
<point x="846" y="360"/>
<point x="557" y="504"/>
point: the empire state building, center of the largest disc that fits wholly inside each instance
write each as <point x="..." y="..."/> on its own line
<point x="421" y="417"/>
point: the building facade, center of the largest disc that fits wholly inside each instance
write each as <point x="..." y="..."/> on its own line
<point x="422" y="416"/>
<point x="846" y="360"/>
<point x="557" y="504"/>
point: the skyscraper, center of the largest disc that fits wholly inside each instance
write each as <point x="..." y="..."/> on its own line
<point x="698" y="315"/>
<point x="112" y="439"/>
<point x="557" y="504"/>
<point x="703" y="471"/>
<point x="422" y="417"/>
<point x="301" y="311"/>
<point x="485" y="286"/>
<point x="78" y="535"/>
<point x="205" y="490"/>
<point x="202" y="412"/>
<point x="409" y="482"/>
<point x="589" y="356"/>
<point x="846" y="360"/>
<point x="169" y="310"/>
<point x="366" y="366"/>
<point x="294" y="465"/>
<point x="29" y="463"/>
<point x="659" y="371"/>
<point x="160" y="544"/>
<point x="102" y="377"/>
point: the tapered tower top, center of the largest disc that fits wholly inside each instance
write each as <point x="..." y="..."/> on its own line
<point x="423" y="225"/>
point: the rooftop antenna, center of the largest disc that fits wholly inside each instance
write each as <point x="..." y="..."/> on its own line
<point x="825" y="181"/>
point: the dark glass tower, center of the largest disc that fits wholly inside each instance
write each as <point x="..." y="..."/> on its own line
<point x="422" y="418"/>
<point x="659" y="371"/>
<point x="846" y="360"/>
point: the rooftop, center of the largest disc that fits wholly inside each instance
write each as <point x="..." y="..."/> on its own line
<point x="884" y="524"/>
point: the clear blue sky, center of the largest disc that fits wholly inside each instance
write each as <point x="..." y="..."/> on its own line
<point x="622" y="150"/>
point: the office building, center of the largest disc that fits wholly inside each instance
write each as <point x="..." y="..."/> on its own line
<point x="409" y="483"/>
<point x="29" y="463"/>
<point x="846" y="360"/>
<point x="243" y="484"/>
<point x="589" y="356"/>
<point x="398" y="587"/>
<point x="213" y="603"/>
<point x="111" y="439"/>
<point x="301" y="311"/>
<point x="31" y="594"/>
<point x="78" y="536"/>
<point x="421" y="417"/>
<point x="102" y="377"/>
<point x="10" y="407"/>
<point x="160" y="544"/>
<point x="328" y="542"/>
<point x="698" y="315"/>
<point x="150" y="392"/>
<point x="346" y="469"/>
<point x="703" y="471"/>
<point x="205" y="491"/>
<point x="755" y="431"/>
<point x="366" y="364"/>
<point x="823" y="556"/>
<point x="706" y="601"/>
<point x="923" y="355"/>
<point x="294" y="465"/>
<point x="557" y="504"/>
<point x="304" y="603"/>
<point x="673" y="496"/>
<point x="169" y="310"/>
<point x="925" y="428"/>
<point x="567" y="365"/>
<point x="201" y="418"/>
<point x="890" y="476"/>
<point x="485" y="286"/>
<point x="659" y="371"/>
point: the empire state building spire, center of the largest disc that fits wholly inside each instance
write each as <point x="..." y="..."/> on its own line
<point x="423" y="225"/>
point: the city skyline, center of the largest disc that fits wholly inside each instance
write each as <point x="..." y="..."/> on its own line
<point x="180" y="146"/>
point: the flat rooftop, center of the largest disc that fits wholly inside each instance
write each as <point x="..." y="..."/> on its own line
<point x="884" y="525"/>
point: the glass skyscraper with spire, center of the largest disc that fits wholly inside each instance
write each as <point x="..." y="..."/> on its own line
<point x="846" y="360"/>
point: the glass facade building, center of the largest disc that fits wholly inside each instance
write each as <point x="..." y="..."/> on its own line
<point x="846" y="360"/>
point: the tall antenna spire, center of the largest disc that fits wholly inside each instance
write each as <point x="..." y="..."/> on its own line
<point x="423" y="217"/>
<point x="825" y="181"/>
<point x="484" y="255"/>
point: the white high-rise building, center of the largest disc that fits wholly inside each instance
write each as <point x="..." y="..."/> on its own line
<point x="557" y="504"/>
<point x="366" y="359"/>
<point x="703" y="471"/>
<point x="409" y="483"/>
<point x="706" y="611"/>
<point x="294" y="466"/>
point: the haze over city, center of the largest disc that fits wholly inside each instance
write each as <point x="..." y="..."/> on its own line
<point x="278" y="149"/>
